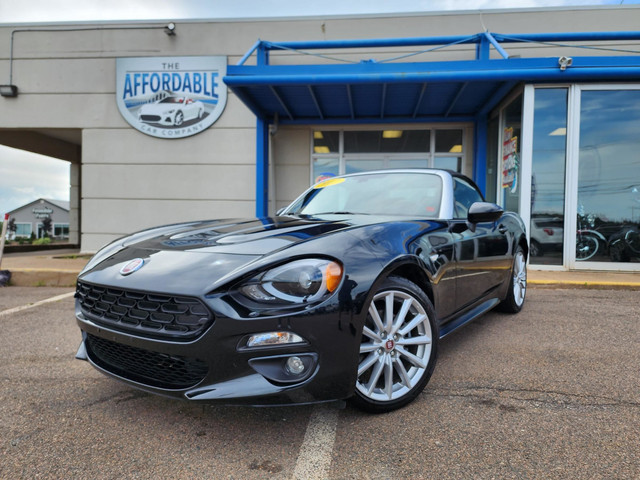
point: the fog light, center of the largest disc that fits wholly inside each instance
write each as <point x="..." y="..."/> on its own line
<point x="273" y="338"/>
<point x="295" y="366"/>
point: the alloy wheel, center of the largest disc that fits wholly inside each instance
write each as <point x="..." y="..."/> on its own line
<point x="519" y="278"/>
<point x="396" y="346"/>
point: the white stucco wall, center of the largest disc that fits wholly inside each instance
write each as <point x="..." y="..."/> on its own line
<point x="128" y="181"/>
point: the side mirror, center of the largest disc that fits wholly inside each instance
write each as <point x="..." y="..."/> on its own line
<point x="280" y="210"/>
<point x="481" y="212"/>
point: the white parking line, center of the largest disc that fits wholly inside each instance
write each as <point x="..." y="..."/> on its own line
<point x="314" y="459"/>
<point x="36" y="304"/>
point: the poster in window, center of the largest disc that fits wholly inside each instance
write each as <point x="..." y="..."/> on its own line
<point x="509" y="160"/>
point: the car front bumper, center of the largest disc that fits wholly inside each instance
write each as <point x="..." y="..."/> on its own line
<point x="217" y="366"/>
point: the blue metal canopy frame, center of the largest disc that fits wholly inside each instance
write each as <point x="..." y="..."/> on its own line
<point x="394" y="91"/>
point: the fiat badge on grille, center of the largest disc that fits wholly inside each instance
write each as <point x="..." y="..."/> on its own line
<point x="132" y="266"/>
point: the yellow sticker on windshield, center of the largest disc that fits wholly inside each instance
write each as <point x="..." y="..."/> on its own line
<point x="329" y="182"/>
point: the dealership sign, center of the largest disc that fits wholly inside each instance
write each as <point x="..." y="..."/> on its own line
<point x="171" y="97"/>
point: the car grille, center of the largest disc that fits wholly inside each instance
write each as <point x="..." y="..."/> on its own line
<point x="146" y="314"/>
<point x="145" y="366"/>
<point x="150" y="118"/>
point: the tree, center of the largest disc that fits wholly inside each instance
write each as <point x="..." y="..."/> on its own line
<point x="46" y="226"/>
<point x="11" y="226"/>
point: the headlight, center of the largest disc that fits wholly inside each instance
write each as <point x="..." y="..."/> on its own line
<point x="299" y="282"/>
<point x="169" y="112"/>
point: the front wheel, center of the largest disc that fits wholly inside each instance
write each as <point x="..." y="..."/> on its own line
<point x="586" y="246"/>
<point x="398" y="348"/>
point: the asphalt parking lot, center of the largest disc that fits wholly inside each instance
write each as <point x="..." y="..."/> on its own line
<point x="553" y="392"/>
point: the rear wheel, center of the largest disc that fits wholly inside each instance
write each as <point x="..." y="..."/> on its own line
<point x="398" y="348"/>
<point x="517" y="286"/>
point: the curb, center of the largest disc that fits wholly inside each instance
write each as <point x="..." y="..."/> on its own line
<point x="32" y="277"/>
<point x="583" y="284"/>
<point x="53" y="277"/>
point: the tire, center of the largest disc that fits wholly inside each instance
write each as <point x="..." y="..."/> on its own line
<point x="618" y="252"/>
<point x="514" y="301"/>
<point x="398" y="349"/>
<point x="586" y="247"/>
<point x="179" y="119"/>
<point x="535" y="249"/>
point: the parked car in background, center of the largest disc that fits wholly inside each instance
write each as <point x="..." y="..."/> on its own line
<point x="547" y="234"/>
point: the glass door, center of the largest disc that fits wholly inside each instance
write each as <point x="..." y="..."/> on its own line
<point x="606" y="220"/>
<point x="548" y="165"/>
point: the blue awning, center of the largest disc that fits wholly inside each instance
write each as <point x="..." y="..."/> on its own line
<point x="371" y="91"/>
<point x="396" y="90"/>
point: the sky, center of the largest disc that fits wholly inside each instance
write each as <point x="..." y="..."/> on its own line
<point x="18" y="11"/>
<point x="25" y="177"/>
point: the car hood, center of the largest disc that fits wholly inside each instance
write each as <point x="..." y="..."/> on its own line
<point x="199" y="256"/>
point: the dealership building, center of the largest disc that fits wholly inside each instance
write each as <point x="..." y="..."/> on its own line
<point x="165" y="122"/>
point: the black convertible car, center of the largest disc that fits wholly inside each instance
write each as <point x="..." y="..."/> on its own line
<point x="344" y="294"/>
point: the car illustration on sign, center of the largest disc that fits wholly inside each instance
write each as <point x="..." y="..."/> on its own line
<point x="171" y="110"/>
<point x="344" y="294"/>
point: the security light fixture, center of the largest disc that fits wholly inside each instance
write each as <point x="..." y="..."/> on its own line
<point x="8" y="90"/>
<point x="565" y="62"/>
<point x="170" y="29"/>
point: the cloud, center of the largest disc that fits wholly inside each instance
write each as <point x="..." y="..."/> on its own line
<point x="88" y="10"/>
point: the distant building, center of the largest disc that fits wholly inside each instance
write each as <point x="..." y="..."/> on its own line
<point x="28" y="219"/>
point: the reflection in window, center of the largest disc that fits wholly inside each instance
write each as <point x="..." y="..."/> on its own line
<point x="23" y="229"/>
<point x="548" y="172"/>
<point x="449" y="141"/>
<point x="608" y="220"/>
<point x="326" y="142"/>
<point x="363" y="164"/>
<point x="448" y="163"/>
<point x="324" y="167"/>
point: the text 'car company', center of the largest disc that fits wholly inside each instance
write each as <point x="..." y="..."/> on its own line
<point x="171" y="97"/>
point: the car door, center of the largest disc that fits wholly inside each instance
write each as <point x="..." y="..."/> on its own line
<point x="482" y="253"/>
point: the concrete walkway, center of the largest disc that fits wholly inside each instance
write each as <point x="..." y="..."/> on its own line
<point x="61" y="267"/>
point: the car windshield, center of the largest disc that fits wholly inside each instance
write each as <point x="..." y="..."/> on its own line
<point x="398" y="193"/>
<point x="172" y="100"/>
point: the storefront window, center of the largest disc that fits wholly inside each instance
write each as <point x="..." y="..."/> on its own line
<point x="510" y="179"/>
<point x="23" y="229"/>
<point x="608" y="216"/>
<point x="448" y="141"/>
<point x="386" y="141"/>
<point x="326" y="142"/>
<point x="351" y="151"/>
<point x="449" y="163"/>
<point x="61" y="230"/>
<point x="548" y="176"/>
